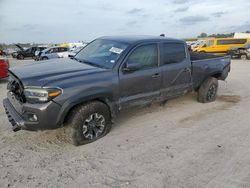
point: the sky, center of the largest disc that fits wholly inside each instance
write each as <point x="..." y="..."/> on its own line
<point x="55" y="21"/>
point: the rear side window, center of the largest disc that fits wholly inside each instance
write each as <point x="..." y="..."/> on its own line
<point x="173" y="53"/>
<point x="231" y="41"/>
<point x="63" y="49"/>
<point x="60" y="49"/>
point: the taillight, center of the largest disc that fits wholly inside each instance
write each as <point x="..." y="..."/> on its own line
<point x="5" y="61"/>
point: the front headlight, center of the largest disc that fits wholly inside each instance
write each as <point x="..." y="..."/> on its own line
<point x="41" y="95"/>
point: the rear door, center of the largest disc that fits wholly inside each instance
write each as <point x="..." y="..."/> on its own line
<point x="142" y="85"/>
<point x="54" y="53"/>
<point x="176" y="70"/>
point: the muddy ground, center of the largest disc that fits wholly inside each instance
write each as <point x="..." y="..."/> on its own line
<point x="181" y="144"/>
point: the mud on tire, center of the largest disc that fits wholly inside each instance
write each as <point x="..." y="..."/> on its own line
<point x="208" y="90"/>
<point x="88" y="122"/>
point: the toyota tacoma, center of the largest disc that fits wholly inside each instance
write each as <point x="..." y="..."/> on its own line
<point x="86" y="92"/>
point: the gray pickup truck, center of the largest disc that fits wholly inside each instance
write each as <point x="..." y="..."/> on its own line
<point x="86" y="92"/>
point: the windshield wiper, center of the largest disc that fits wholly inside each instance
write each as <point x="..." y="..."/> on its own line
<point x="88" y="62"/>
<point x="74" y="58"/>
<point x="92" y="64"/>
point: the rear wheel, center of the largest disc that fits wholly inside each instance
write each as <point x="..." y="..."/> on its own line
<point x="88" y="122"/>
<point x="45" y="58"/>
<point x="208" y="90"/>
<point x="243" y="57"/>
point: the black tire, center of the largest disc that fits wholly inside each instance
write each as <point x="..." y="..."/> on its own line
<point x="208" y="90"/>
<point x="243" y="57"/>
<point x="45" y="58"/>
<point x="81" y="123"/>
<point x="20" y="56"/>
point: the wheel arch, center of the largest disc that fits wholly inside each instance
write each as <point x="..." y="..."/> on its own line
<point x="69" y="105"/>
<point x="216" y="75"/>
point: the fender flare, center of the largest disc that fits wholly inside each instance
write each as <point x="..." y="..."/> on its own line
<point x="68" y="105"/>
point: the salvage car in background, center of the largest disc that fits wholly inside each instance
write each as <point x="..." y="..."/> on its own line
<point x="240" y="52"/>
<point x="25" y="53"/>
<point x="4" y="66"/>
<point x="54" y="52"/>
<point x="20" y="48"/>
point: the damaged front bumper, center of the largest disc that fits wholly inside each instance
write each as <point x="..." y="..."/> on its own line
<point x="18" y="115"/>
<point x="14" y="118"/>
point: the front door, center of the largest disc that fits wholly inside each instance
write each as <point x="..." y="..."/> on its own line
<point x="140" y="85"/>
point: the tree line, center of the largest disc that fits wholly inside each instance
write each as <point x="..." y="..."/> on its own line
<point x="218" y="35"/>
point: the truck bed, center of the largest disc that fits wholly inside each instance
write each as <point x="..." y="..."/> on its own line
<point x="194" y="56"/>
<point x="204" y="64"/>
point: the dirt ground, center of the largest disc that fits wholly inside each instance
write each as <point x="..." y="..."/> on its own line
<point x="182" y="144"/>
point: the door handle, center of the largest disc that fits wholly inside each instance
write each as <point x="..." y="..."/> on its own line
<point x="186" y="70"/>
<point x="156" y="75"/>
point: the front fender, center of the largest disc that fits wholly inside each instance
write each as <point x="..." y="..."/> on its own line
<point x="102" y="96"/>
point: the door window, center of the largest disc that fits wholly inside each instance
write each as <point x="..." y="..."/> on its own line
<point x="173" y="53"/>
<point x="54" y="50"/>
<point x="231" y="41"/>
<point x="144" y="57"/>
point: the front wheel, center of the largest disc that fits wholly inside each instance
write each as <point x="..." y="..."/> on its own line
<point x="208" y="90"/>
<point x="88" y="122"/>
<point x="20" y="56"/>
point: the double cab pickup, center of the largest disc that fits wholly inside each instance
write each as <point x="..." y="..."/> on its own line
<point x="86" y="92"/>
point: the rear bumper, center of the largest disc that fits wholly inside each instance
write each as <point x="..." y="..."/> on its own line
<point x="46" y="115"/>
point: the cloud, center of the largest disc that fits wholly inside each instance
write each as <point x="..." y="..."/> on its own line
<point x="27" y="28"/>
<point x="180" y="1"/>
<point x="189" y="20"/>
<point x="243" y="27"/>
<point x="79" y="13"/>
<point x="218" y="14"/>
<point x="184" y="9"/>
<point x="135" y="11"/>
<point x="106" y="17"/>
<point x="132" y="23"/>
<point x="138" y="12"/>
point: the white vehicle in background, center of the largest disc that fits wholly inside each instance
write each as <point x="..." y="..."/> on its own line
<point x="197" y="44"/>
<point x="54" y="52"/>
<point x="73" y="52"/>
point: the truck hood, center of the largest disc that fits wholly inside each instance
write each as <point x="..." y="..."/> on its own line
<point x="45" y="72"/>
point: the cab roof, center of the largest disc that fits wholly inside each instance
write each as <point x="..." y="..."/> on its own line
<point x="130" y="39"/>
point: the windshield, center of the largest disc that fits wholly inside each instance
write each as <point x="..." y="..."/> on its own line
<point x="101" y="53"/>
<point x="209" y="43"/>
<point x="77" y="49"/>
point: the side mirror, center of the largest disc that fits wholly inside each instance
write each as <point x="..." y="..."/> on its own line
<point x="204" y="45"/>
<point x="132" y="66"/>
<point x="71" y="56"/>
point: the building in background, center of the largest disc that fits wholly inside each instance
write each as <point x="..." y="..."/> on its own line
<point x="241" y="35"/>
